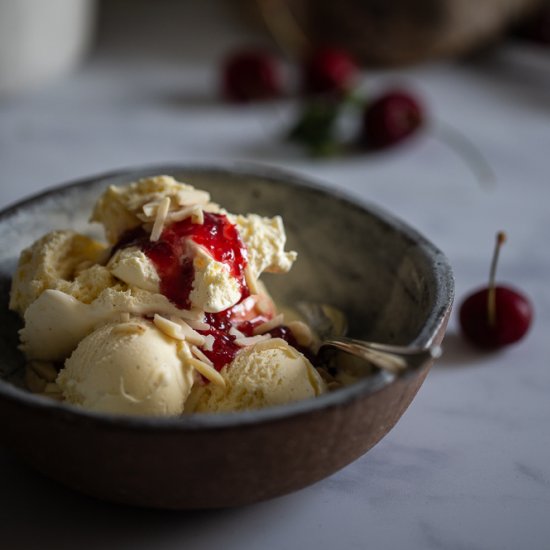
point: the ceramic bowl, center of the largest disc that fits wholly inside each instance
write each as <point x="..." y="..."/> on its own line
<point x="392" y="283"/>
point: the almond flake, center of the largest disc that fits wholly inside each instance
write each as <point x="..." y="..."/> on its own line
<point x="207" y="371"/>
<point x="213" y="207"/>
<point x="192" y="196"/>
<point x="263" y="304"/>
<point x="236" y="332"/>
<point x="251" y="282"/>
<point x="192" y="336"/>
<point x="301" y="332"/>
<point x="150" y="209"/>
<point x="198" y="325"/>
<point x="201" y="356"/>
<point x="198" y="216"/>
<point x="252" y="340"/>
<point x="179" y="215"/>
<point x="269" y="325"/>
<point x="208" y="342"/>
<point x="128" y="328"/>
<point x="162" y="212"/>
<point x="171" y="329"/>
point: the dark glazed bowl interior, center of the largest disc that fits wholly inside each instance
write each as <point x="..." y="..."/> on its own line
<point x="394" y="286"/>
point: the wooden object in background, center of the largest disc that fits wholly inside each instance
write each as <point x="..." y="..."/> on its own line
<point x="391" y="32"/>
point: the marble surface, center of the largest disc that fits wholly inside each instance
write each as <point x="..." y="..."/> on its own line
<point x="467" y="467"/>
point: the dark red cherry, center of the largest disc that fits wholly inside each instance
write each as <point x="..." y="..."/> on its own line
<point x="390" y="119"/>
<point x="512" y="318"/>
<point x="329" y="70"/>
<point x="495" y="316"/>
<point x="251" y="75"/>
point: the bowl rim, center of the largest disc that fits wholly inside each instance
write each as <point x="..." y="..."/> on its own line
<point x="444" y="295"/>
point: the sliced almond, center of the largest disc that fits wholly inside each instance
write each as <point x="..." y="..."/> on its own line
<point x="208" y="342"/>
<point x="236" y="332"/>
<point x="192" y="196"/>
<point x="197" y="216"/>
<point x="182" y="214"/>
<point x="201" y="356"/>
<point x="160" y="219"/>
<point x="192" y="336"/>
<point x="252" y="340"/>
<point x="176" y="314"/>
<point x="150" y="209"/>
<point x="250" y="279"/>
<point x="198" y="325"/>
<point x="210" y="373"/>
<point x="128" y="329"/>
<point x="263" y="304"/>
<point x="269" y="325"/>
<point x="301" y="332"/>
<point x="170" y="328"/>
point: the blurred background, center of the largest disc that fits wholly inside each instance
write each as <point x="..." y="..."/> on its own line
<point x="90" y="85"/>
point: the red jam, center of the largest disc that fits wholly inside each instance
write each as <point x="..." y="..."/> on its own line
<point x="224" y="348"/>
<point x="173" y="261"/>
<point x="217" y="235"/>
<point x="174" y="265"/>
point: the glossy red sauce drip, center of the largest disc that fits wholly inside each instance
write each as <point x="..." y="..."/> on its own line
<point x="225" y="349"/>
<point x="171" y="257"/>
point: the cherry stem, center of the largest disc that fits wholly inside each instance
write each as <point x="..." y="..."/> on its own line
<point x="469" y="153"/>
<point x="491" y="294"/>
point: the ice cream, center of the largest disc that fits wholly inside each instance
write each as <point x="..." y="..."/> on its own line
<point x="270" y="373"/>
<point x="62" y="260"/>
<point x="169" y="316"/>
<point x="136" y="370"/>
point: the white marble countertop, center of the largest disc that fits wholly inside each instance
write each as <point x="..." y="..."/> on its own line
<point x="468" y="466"/>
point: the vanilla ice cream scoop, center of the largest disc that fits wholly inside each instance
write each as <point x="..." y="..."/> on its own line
<point x="56" y="321"/>
<point x="132" y="266"/>
<point x="122" y="208"/>
<point x="179" y="259"/>
<point x="127" y="368"/>
<point x="60" y="260"/>
<point x="265" y="239"/>
<point x="269" y="373"/>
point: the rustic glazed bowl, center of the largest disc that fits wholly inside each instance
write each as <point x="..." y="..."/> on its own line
<point x="392" y="283"/>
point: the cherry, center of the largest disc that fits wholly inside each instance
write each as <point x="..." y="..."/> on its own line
<point x="495" y="316"/>
<point x="250" y="75"/>
<point x="329" y="70"/>
<point x="390" y="119"/>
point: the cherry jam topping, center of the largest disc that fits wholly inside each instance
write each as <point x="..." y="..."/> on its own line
<point x="225" y="349"/>
<point x="174" y="265"/>
<point x="173" y="261"/>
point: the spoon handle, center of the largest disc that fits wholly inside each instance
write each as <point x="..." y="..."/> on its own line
<point x="395" y="359"/>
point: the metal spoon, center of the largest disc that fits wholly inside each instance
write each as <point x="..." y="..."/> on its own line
<point x="330" y="324"/>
